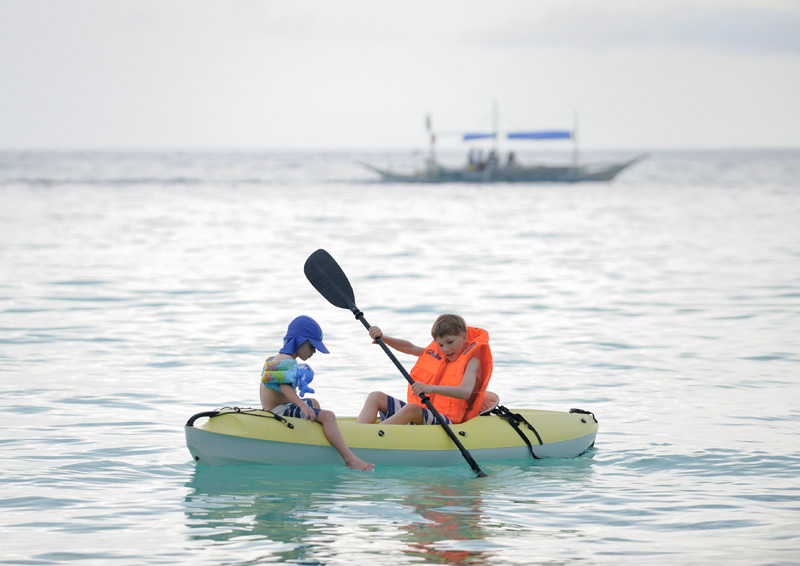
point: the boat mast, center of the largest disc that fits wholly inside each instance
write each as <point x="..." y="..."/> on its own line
<point x="431" y="136"/>
<point x="496" y="128"/>
<point x="430" y="164"/>
<point x="575" y="164"/>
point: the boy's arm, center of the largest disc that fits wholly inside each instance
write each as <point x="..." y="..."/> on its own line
<point x="463" y="391"/>
<point x="403" y="346"/>
<point x="289" y="392"/>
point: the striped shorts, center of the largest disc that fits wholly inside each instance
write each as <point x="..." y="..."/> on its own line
<point x="393" y="405"/>
<point x="292" y="410"/>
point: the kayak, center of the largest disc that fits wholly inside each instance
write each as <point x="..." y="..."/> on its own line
<point x="234" y="436"/>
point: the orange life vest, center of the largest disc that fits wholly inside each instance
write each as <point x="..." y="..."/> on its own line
<point x="433" y="368"/>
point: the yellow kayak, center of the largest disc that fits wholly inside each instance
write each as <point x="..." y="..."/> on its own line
<point x="253" y="436"/>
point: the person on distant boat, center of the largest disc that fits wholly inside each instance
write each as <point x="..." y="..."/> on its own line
<point x="512" y="160"/>
<point x="493" y="160"/>
<point x="479" y="162"/>
<point x="453" y="371"/>
<point x="472" y="160"/>
<point x="281" y="374"/>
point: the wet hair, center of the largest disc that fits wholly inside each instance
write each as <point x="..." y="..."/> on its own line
<point x="448" y="325"/>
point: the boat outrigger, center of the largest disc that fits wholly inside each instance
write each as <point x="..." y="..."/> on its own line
<point x="492" y="169"/>
<point x="251" y="436"/>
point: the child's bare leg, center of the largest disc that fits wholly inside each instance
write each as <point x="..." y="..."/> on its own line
<point x="409" y="413"/>
<point x="375" y="402"/>
<point x="331" y="429"/>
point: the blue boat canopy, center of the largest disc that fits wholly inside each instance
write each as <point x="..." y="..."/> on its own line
<point x="544" y="135"/>
<point x="476" y="136"/>
<point x="541" y="135"/>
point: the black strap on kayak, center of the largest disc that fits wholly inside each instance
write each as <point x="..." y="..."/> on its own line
<point x="243" y="411"/>
<point x="514" y="419"/>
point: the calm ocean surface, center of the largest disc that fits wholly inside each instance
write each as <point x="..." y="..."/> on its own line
<point x="139" y="289"/>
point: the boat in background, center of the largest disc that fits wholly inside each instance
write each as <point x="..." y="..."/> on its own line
<point x="493" y="170"/>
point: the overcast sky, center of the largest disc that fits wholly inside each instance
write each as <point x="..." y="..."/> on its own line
<point x="351" y="74"/>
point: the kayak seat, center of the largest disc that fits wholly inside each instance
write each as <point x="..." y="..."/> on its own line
<point x="490" y="401"/>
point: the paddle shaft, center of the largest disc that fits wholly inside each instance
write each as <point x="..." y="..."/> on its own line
<point x="425" y="399"/>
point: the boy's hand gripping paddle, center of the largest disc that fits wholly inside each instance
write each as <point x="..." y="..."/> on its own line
<point x="328" y="278"/>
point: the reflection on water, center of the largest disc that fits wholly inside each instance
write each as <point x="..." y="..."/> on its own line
<point x="450" y="516"/>
<point x="253" y="502"/>
<point x="328" y="514"/>
<point x="304" y="513"/>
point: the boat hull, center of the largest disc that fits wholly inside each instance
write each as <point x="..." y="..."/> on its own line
<point x="249" y="436"/>
<point x="539" y="174"/>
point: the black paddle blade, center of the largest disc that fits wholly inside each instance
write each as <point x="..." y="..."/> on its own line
<point x="328" y="278"/>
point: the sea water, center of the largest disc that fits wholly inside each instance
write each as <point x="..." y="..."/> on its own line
<point x="140" y="288"/>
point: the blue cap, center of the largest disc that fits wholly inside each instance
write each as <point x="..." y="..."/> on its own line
<point x="301" y="329"/>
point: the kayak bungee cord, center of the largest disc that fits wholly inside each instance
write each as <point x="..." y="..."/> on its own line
<point x="243" y="411"/>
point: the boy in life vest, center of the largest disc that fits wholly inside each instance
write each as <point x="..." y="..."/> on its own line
<point x="453" y="371"/>
<point x="282" y="374"/>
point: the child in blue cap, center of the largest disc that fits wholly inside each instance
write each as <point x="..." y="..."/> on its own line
<point x="282" y="374"/>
